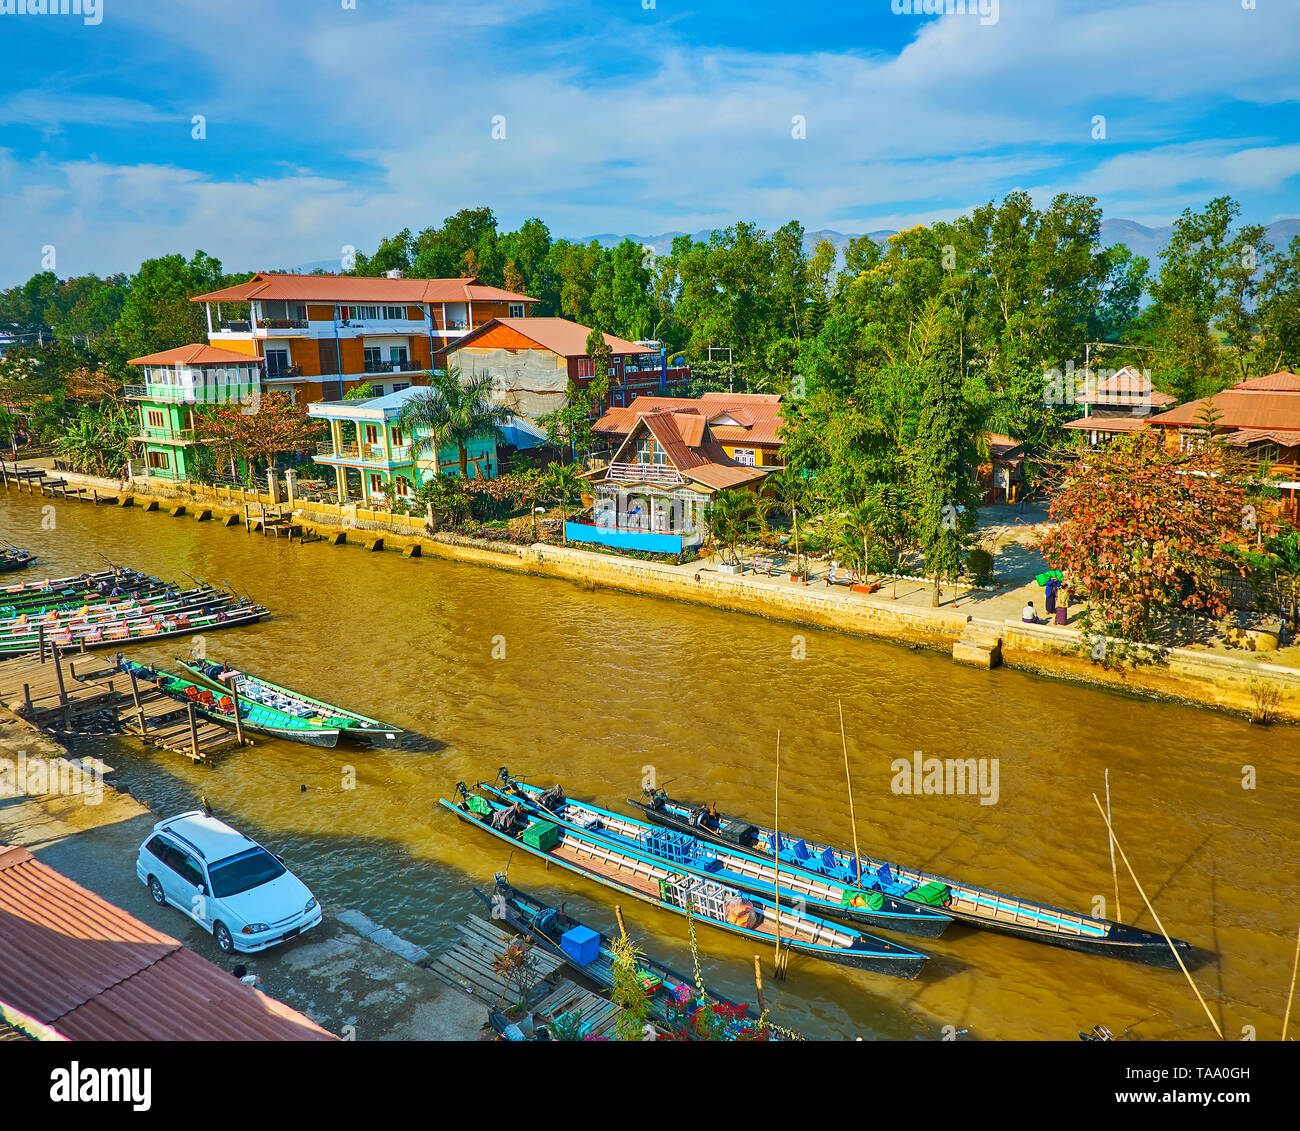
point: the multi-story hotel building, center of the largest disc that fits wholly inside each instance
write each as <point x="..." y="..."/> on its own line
<point x="319" y="336"/>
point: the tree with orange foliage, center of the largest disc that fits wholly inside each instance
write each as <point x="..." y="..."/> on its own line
<point x="1145" y="534"/>
<point x="257" y="430"/>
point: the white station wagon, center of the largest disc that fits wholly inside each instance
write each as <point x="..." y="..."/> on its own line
<point x="227" y="883"/>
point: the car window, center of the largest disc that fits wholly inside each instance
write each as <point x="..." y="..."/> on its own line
<point x="190" y="872"/>
<point x="172" y="856"/>
<point x="244" y="872"/>
<point x="157" y="846"/>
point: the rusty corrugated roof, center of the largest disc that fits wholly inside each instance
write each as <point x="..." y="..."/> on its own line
<point x="1282" y="381"/>
<point x="758" y="415"/>
<point x="1238" y="408"/>
<point x="82" y="965"/>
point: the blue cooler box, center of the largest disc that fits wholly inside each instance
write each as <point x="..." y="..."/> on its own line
<point x="582" y="944"/>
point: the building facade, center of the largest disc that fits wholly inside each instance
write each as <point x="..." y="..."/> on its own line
<point x="373" y="456"/>
<point x="670" y="456"/>
<point x="531" y="362"/>
<point x="1116" y="404"/>
<point x="177" y="383"/>
<point x="319" y="336"/>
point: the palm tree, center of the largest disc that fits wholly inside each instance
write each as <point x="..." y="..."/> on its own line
<point x="728" y="518"/>
<point x="453" y="411"/>
<point x="792" y="491"/>
<point x="562" y="484"/>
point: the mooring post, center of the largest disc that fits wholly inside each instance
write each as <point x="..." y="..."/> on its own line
<point x="194" y="730"/>
<point x="234" y="698"/>
<point x="40" y="639"/>
<point x="63" y="694"/>
<point x="135" y="696"/>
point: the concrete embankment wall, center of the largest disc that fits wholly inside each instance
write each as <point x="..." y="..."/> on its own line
<point x="1208" y="679"/>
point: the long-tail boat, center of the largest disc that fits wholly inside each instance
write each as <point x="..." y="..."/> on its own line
<point x="133" y="605"/>
<point x="253" y="689"/>
<point x="84" y="581"/>
<point x="254" y="717"/>
<point x="38" y="602"/>
<point x="673" y="1000"/>
<point x="166" y="614"/>
<point x="656" y="882"/>
<point x="179" y="622"/>
<point x="13" y="559"/>
<point x="832" y="897"/>
<point x="977" y="907"/>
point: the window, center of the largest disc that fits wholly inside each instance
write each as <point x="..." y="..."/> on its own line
<point x="398" y="356"/>
<point x="586" y="367"/>
<point x="372" y="434"/>
<point x="395" y="437"/>
<point x="277" y="362"/>
<point x="379" y="390"/>
<point x="744" y="456"/>
<point x="395" y="314"/>
<point x="363" y="313"/>
<point x="402" y="486"/>
<point x="649" y="451"/>
<point x="403" y="385"/>
<point x="156" y="418"/>
<point x="516" y="310"/>
<point x="156" y="847"/>
<point x="244" y="872"/>
<point x="376" y="485"/>
<point x="374" y="355"/>
<point x="159" y="460"/>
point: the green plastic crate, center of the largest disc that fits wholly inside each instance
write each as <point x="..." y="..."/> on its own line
<point x="542" y="835"/>
<point x="479" y="805"/>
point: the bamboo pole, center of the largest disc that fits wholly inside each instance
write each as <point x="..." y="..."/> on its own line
<point x="1286" y="1020"/>
<point x="776" y="854"/>
<point x="194" y="730"/>
<point x="1177" y="957"/>
<point x="1114" y="873"/>
<point x="618" y="914"/>
<point x="758" y="985"/>
<point x="848" y="781"/>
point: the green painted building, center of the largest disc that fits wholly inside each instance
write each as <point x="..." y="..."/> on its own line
<point x="177" y="383"/>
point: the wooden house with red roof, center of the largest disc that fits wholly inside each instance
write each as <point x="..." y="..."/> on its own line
<point x="1116" y="403"/>
<point x="1260" y="417"/>
<point x="670" y="456"/>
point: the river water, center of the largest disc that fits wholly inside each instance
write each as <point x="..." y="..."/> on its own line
<point x="594" y="687"/>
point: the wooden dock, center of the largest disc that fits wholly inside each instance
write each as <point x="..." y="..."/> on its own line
<point x="468" y="966"/>
<point x="54" y="692"/>
<point x="36" y="480"/>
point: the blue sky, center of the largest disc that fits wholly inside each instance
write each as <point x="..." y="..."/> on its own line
<point x="328" y="126"/>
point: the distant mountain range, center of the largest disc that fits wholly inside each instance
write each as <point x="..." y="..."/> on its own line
<point x="1141" y="240"/>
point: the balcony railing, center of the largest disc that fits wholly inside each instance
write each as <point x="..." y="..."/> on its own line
<point x="235" y="325"/>
<point x="194" y="394"/>
<point x="129" y="391"/>
<point x="162" y="435"/>
<point x="283" y="372"/>
<point x="282" y="323"/>
<point x="642" y="473"/>
<point x="393" y="367"/>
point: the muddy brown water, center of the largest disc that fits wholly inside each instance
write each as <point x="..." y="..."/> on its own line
<point x="596" y="690"/>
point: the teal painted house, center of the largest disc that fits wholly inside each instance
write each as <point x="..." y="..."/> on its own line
<point x="371" y="454"/>
<point x="177" y="383"/>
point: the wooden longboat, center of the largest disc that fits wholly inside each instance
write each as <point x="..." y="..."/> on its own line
<point x="253" y="689"/>
<point x="977" y="907"/>
<point x="13" y="560"/>
<point x="85" y="581"/>
<point x="672" y="998"/>
<point x="130" y="606"/>
<point x="633" y="874"/>
<point x="828" y="896"/>
<point x="184" y="623"/>
<point x="253" y="717"/>
<point x="39" y="602"/>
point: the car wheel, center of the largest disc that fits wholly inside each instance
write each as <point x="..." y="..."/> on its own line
<point x="225" y="942"/>
<point x="156" y="890"/>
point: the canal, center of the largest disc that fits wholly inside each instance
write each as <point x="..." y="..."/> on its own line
<point x="598" y="689"/>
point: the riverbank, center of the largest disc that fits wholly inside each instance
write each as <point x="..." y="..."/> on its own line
<point x="337" y="974"/>
<point x="1243" y="684"/>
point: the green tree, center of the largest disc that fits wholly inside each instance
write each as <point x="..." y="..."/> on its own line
<point x="453" y="411"/>
<point x="944" y="497"/>
<point x="157" y="313"/>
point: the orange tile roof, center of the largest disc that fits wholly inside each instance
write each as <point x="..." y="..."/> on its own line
<point x="359" y="289"/>
<point x="1238" y="408"/>
<point x="90" y="971"/>
<point x="198" y="353"/>
<point x="1108" y="423"/>
<point x="758" y="415"/>
<point x="559" y="335"/>
<point x="1282" y="381"/>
